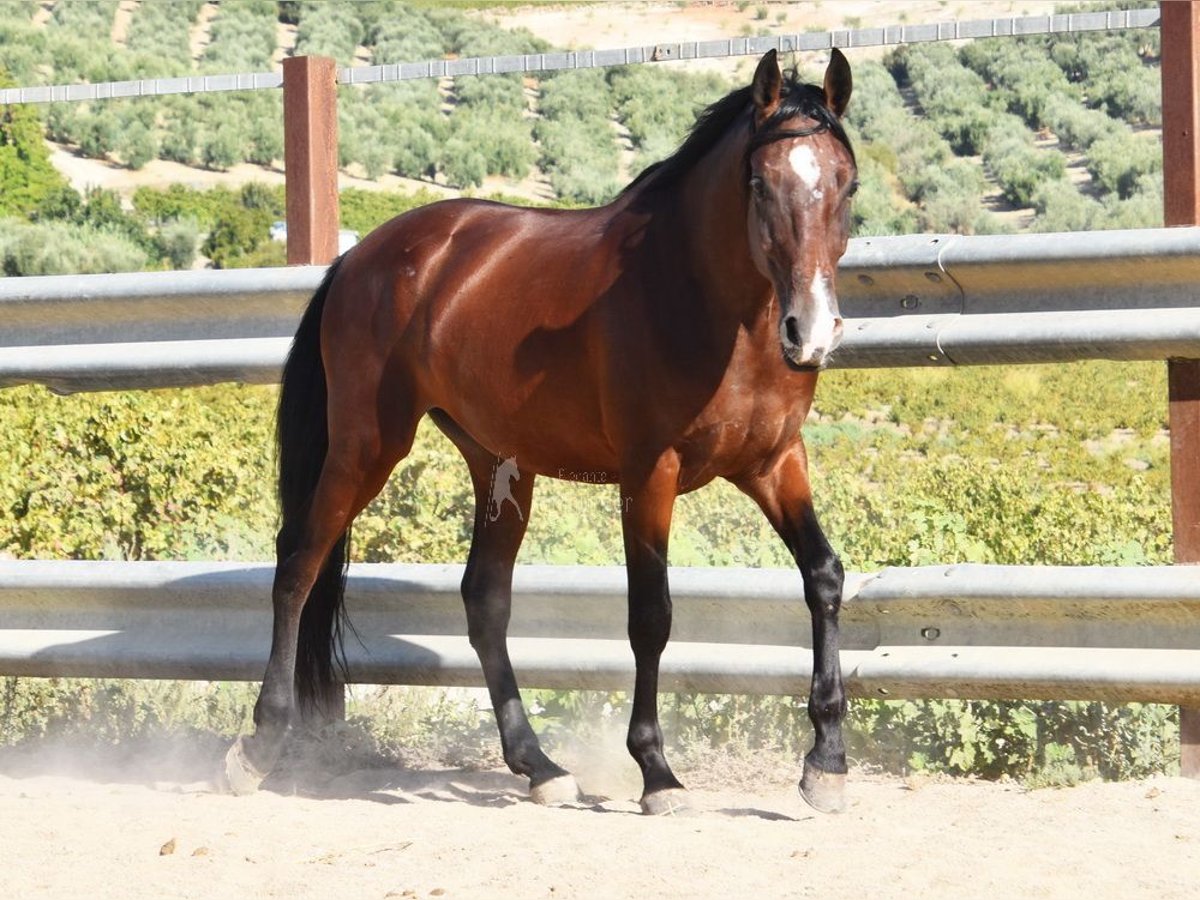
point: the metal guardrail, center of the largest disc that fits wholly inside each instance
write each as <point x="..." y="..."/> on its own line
<point x="956" y="300"/>
<point x="1068" y="23"/>
<point x="915" y="300"/>
<point x="1117" y="634"/>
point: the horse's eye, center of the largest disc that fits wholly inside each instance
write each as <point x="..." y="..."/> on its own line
<point x="853" y="188"/>
<point x="758" y="187"/>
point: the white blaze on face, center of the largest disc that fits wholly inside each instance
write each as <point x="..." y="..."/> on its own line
<point x="804" y="164"/>
<point x="819" y="326"/>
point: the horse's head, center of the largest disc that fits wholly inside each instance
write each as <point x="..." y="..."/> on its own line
<point x="801" y="177"/>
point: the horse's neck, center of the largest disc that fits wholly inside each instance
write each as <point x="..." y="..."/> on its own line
<point x="713" y="203"/>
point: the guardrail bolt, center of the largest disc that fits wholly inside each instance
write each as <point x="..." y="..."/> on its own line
<point x="912" y="301"/>
<point x="931" y="634"/>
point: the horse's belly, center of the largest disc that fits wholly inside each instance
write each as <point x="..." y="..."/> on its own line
<point x="564" y="441"/>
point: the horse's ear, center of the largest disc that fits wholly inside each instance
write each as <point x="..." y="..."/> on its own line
<point x="838" y="83"/>
<point x="768" y="82"/>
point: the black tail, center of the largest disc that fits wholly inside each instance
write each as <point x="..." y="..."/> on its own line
<point x="302" y="438"/>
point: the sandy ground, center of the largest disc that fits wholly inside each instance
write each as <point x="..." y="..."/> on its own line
<point x="376" y="833"/>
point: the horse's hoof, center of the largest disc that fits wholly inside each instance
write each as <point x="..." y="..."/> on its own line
<point x="667" y="802"/>
<point x="239" y="775"/>
<point x="555" y="792"/>
<point x="823" y="791"/>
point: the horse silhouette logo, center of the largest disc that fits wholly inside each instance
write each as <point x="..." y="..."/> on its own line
<point x="505" y="473"/>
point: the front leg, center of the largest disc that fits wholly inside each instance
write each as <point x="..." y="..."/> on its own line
<point x="647" y="504"/>
<point x="783" y="492"/>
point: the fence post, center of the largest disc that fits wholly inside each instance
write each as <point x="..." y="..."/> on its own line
<point x="1179" y="26"/>
<point x="310" y="159"/>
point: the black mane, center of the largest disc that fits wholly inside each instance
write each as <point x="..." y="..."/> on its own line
<point x="796" y="100"/>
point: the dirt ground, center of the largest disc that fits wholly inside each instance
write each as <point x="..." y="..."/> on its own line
<point x="384" y="832"/>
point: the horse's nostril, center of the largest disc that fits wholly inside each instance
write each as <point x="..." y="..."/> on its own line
<point x="792" y="329"/>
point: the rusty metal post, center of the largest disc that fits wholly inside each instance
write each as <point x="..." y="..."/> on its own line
<point x="1180" y="30"/>
<point x="310" y="159"/>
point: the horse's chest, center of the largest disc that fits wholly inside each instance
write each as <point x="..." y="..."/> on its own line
<point x="727" y="446"/>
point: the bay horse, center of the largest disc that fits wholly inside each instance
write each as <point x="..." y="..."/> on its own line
<point x="666" y="339"/>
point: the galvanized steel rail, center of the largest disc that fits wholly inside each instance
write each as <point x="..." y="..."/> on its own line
<point x="1068" y="23"/>
<point x="915" y="300"/>
<point x="1116" y="634"/>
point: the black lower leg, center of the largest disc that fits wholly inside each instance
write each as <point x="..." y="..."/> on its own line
<point x="645" y="740"/>
<point x="649" y="629"/>
<point x="276" y="700"/>
<point x="488" y="598"/>
<point x="823" y="580"/>
<point x="523" y="752"/>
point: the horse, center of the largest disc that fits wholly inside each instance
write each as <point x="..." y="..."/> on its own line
<point x="503" y="474"/>
<point x="668" y="338"/>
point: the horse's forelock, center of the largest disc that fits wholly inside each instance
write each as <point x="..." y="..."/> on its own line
<point x="800" y="100"/>
<point x="797" y="99"/>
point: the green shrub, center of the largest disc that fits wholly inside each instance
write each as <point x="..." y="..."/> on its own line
<point x="1060" y="207"/>
<point x="237" y="233"/>
<point x="364" y="211"/>
<point x="180" y="241"/>
<point x="1018" y="166"/>
<point x="163" y="29"/>
<point x="180" y="143"/>
<point x="224" y="147"/>
<point x="1023" y="70"/>
<point x="161" y="475"/>
<point x="408" y="37"/>
<point x="580" y="158"/>
<point x="121" y="712"/>
<point x="136" y="145"/>
<point x="98" y="133"/>
<point x="462" y="163"/>
<point x="579" y="153"/>
<point x="1040" y="742"/>
<point x="877" y="207"/>
<point x="242" y="37"/>
<point x="1118" y="161"/>
<point x="947" y="195"/>
<point x="1077" y="126"/>
<point x="328" y="29"/>
<point x="84" y="20"/>
<point x="399" y="125"/>
<point x="501" y="139"/>
<point x="264" y="141"/>
<point x="58" y="248"/>
<point x="659" y="106"/>
<point x="27" y="178"/>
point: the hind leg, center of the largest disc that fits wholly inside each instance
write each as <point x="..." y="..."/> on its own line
<point x="487" y="595"/>
<point x="355" y="469"/>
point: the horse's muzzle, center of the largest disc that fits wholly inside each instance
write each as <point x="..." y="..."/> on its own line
<point x="808" y="352"/>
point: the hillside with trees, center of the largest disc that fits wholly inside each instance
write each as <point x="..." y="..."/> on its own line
<point x="1041" y="133"/>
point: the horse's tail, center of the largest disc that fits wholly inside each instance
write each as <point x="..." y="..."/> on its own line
<point x="302" y="437"/>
